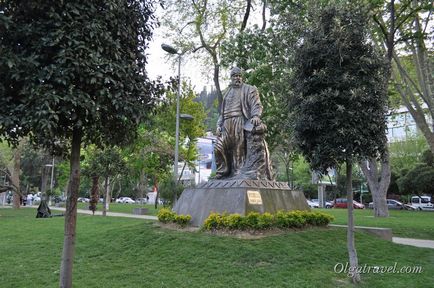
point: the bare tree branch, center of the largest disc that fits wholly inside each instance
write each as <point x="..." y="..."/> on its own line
<point x="246" y="15"/>
<point x="264" y="21"/>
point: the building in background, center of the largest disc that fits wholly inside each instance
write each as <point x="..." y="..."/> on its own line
<point x="401" y="125"/>
<point x="204" y="165"/>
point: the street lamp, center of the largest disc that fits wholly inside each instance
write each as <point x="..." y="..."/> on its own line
<point x="51" y="181"/>
<point x="169" y="49"/>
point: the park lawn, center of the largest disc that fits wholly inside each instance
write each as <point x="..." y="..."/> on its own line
<point x="410" y="224"/>
<point x="124" y="252"/>
<point x="123" y="208"/>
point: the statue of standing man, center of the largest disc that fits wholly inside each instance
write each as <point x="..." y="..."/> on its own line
<point x="241" y="151"/>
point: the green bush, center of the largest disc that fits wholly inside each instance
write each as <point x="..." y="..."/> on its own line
<point x="256" y="221"/>
<point x="265" y="221"/>
<point x="182" y="220"/>
<point x="214" y="221"/>
<point x="166" y="215"/>
<point x="233" y="221"/>
<point x="251" y="220"/>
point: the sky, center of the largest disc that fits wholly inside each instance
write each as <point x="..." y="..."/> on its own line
<point x="191" y="70"/>
<point x="160" y="65"/>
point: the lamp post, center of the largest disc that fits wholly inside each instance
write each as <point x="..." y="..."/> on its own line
<point x="51" y="180"/>
<point x="169" y="49"/>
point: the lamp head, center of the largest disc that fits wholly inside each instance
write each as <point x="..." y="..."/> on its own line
<point x="169" y="49"/>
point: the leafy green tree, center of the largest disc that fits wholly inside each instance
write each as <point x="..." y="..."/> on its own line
<point x="406" y="154"/>
<point x="404" y="28"/>
<point x="73" y="72"/>
<point x="153" y="152"/>
<point x="200" y="26"/>
<point x="10" y="163"/>
<point x="418" y="181"/>
<point x="106" y="163"/>
<point x="339" y="104"/>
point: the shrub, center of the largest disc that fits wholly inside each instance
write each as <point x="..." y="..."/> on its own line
<point x="182" y="220"/>
<point x="256" y="221"/>
<point x="166" y="215"/>
<point x="296" y="219"/>
<point x="233" y="221"/>
<point x="214" y="221"/>
<point x="265" y="221"/>
<point x="251" y="220"/>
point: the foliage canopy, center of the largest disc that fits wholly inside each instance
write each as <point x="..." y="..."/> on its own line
<point x="339" y="104"/>
<point x="73" y="64"/>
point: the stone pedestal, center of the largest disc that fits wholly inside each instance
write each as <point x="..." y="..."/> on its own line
<point x="238" y="196"/>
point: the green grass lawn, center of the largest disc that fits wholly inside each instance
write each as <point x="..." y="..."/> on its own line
<point x="123" y="208"/>
<point x="124" y="252"/>
<point x="412" y="224"/>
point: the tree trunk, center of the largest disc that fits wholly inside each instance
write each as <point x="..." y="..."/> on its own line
<point x="216" y="76"/>
<point x="158" y="192"/>
<point x="15" y="177"/>
<point x="264" y="20"/>
<point x="106" y="201"/>
<point x="142" y="183"/>
<point x="71" y="212"/>
<point x="246" y="15"/>
<point x="352" y="253"/>
<point x="378" y="183"/>
<point x="94" y="197"/>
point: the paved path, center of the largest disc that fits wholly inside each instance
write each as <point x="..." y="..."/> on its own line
<point x="422" y="243"/>
<point x="414" y="242"/>
<point x="114" y="214"/>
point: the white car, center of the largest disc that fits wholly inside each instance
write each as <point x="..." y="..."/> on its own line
<point x="327" y="204"/>
<point x="312" y="204"/>
<point x="125" y="200"/>
<point x="422" y="203"/>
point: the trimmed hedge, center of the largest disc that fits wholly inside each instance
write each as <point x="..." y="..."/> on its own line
<point x="166" y="215"/>
<point x="256" y="221"/>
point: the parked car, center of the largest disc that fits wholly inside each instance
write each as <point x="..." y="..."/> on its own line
<point x="83" y="199"/>
<point x="312" y="204"/>
<point x="120" y="200"/>
<point x="129" y="200"/>
<point x="391" y="204"/>
<point x="125" y="200"/>
<point x="327" y="204"/>
<point x="422" y="203"/>
<point x="142" y="200"/>
<point x="342" y="203"/>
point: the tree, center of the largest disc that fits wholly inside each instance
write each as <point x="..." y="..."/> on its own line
<point x="404" y="29"/>
<point x="201" y="26"/>
<point x="339" y="104"/>
<point x="73" y="73"/>
<point x="419" y="180"/>
<point x="11" y="172"/>
<point x="106" y="163"/>
<point x="406" y="154"/>
<point x="399" y="30"/>
<point x="152" y="155"/>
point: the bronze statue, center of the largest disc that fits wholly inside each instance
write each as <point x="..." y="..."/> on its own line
<point x="241" y="151"/>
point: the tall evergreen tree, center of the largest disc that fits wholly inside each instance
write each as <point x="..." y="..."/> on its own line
<point x="339" y="104"/>
<point x="73" y="72"/>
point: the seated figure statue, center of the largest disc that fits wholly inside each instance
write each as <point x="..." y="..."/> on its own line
<point x="241" y="151"/>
